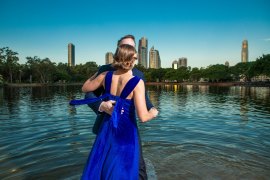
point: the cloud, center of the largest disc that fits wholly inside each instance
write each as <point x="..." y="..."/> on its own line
<point x="267" y="39"/>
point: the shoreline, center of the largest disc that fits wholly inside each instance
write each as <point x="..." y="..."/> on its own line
<point x="39" y="84"/>
<point x="247" y="84"/>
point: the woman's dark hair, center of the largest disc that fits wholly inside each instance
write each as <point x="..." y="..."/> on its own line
<point x="125" y="37"/>
<point x="124" y="57"/>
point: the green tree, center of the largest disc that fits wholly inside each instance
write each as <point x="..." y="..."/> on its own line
<point x="171" y="74"/>
<point x="9" y="63"/>
<point x="241" y="70"/>
<point x="25" y="73"/>
<point x="261" y="66"/>
<point x="2" y="68"/>
<point x="90" y="68"/>
<point x="62" y="73"/>
<point x="216" y="73"/>
<point x="81" y="72"/>
<point x="182" y="74"/>
<point x="156" y="75"/>
<point x="140" y="67"/>
<point x="42" y="69"/>
<point x="195" y="74"/>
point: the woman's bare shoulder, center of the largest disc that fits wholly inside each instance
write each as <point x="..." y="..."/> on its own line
<point x="139" y="86"/>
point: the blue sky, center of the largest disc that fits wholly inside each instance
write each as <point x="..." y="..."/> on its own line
<point x="205" y="32"/>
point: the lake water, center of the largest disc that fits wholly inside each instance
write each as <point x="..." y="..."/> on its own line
<point x="202" y="132"/>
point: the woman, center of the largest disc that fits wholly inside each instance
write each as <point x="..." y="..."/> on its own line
<point x="115" y="153"/>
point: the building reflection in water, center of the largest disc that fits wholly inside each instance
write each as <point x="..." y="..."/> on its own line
<point x="175" y="88"/>
<point x="189" y="88"/>
<point x="244" y="109"/>
<point x="154" y="95"/>
<point x="1" y="95"/>
<point x="244" y="95"/>
<point x="170" y="93"/>
<point x="256" y="95"/>
<point x="168" y="87"/>
<point x="203" y="89"/>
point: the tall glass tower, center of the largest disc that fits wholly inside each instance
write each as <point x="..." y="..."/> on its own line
<point x="142" y="52"/>
<point x="109" y="58"/>
<point x="244" y="54"/>
<point x="71" y="54"/>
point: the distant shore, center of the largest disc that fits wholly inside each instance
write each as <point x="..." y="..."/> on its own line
<point x="249" y="84"/>
<point x="40" y="84"/>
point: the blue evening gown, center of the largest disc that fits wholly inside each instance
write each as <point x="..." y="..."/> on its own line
<point x="115" y="152"/>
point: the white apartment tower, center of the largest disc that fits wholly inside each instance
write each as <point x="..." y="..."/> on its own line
<point x="182" y="62"/>
<point x="154" y="59"/>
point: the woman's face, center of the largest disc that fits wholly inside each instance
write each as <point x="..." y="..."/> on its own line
<point x="135" y="58"/>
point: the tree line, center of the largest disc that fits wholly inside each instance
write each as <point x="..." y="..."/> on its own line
<point x="37" y="70"/>
<point x="213" y="73"/>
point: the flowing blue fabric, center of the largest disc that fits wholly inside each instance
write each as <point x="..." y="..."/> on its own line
<point x="115" y="153"/>
<point x="88" y="101"/>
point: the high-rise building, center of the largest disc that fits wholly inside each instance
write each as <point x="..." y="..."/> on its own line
<point x="182" y="62"/>
<point x="109" y="58"/>
<point x="227" y="63"/>
<point x="175" y="64"/>
<point x="154" y="59"/>
<point x="244" y="53"/>
<point x="71" y="54"/>
<point x="142" y="52"/>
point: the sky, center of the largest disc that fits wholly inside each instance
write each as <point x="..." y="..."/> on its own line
<point x="206" y="32"/>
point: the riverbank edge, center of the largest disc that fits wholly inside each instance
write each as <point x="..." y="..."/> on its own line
<point x="248" y="84"/>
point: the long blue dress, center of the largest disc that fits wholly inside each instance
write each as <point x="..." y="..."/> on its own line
<point x="115" y="153"/>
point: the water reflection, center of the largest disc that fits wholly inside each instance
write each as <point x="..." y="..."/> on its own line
<point x="154" y="96"/>
<point x="244" y="109"/>
<point x="203" y="89"/>
<point x="202" y="132"/>
<point x="1" y="96"/>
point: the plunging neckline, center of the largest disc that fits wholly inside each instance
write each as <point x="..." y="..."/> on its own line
<point x="108" y="83"/>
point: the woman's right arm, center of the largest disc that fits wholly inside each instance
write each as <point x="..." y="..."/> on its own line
<point x="93" y="83"/>
<point x="140" y="104"/>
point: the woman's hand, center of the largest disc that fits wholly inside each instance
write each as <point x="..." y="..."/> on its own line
<point x="107" y="106"/>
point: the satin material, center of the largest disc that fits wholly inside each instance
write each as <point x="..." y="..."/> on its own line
<point x="115" y="153"/>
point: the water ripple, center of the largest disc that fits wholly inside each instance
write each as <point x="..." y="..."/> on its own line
<point x="202" y="132"/>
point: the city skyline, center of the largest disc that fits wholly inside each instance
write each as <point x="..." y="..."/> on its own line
<point x="205" y="32"/>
